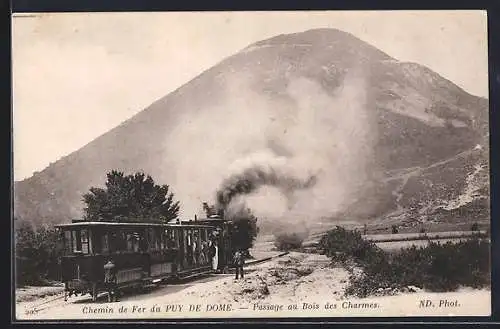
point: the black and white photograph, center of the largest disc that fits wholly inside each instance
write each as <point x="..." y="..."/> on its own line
<point x="216" y="165"/>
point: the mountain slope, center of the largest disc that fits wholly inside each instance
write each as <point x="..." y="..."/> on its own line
<point x="187" y="139"/>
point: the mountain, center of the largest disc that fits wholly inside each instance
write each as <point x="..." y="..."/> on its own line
<point x="429" y="152"/>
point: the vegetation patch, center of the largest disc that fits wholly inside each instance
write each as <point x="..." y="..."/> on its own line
<point x="37" y="254"/>
<point x="288" y="241"/>
<point x="435" y="267"/>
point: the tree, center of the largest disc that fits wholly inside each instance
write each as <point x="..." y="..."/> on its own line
<point x="244" y="229"/>
<point x="130" y="198"/>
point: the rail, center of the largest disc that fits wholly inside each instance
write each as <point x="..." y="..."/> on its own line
<point x="102" y="294"/>
<point x="262" y="260"/>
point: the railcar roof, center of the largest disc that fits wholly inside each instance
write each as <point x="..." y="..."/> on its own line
<point x="84" y="223"/>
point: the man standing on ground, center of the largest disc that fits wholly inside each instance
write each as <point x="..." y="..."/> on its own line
<point x="110" y="280"/>
<point x="239" y="261"/>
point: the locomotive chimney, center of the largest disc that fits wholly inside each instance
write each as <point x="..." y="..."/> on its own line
<point x="195" y="218"/>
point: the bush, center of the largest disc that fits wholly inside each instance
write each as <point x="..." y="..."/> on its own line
<point x="37" y="255"/>
<point x="341" y="245"/>
<point x="288" y="241"/>
<point x="443" y="267"/>
<point x="394" y="229"/>
<point x="436" y="267"/>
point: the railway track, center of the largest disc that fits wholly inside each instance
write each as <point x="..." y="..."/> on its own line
<point x="52" y="302"/>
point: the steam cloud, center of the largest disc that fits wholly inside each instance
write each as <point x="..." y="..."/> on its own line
<point x="300" y="154"/>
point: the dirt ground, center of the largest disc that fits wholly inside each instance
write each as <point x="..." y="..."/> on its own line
<point x="294" y="285"/>
<point x="30" y="293"/>
<point x="307" y="281"/>
<point x="292" y="278"/>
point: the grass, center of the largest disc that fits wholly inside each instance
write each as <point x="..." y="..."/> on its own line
<point x="421" y="236"/>
<point x="394" y="246"/>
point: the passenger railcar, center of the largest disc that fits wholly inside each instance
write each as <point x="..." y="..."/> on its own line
<point x="139" y="254"/>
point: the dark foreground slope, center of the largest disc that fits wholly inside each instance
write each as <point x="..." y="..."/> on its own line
<point x="426" y="161"/>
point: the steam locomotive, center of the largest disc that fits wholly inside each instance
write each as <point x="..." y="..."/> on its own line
<point x="105" y="256"/>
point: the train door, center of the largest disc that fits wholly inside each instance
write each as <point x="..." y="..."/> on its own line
<point x="189" y="247"/>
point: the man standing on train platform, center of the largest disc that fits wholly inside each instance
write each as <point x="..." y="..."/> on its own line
<point x="213" y="254"/>
<point x="238" y="261"/>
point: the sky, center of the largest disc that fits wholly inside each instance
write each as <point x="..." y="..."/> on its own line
<point x="78" y="75"/>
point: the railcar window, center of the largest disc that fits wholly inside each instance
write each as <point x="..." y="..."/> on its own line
<point x="163" y="239"/>
<point x="112" y="240"/>
<point x="118" y="241"/>
<point x="85" y="241"/>
<point x="154" y="239"/>
<point x="130" y="242"/>
<point x="186" y="240"/>
<point x="77" y="244"/>
<point x="77" y="241"/>
<point x="177" y="237"/>
<point x="105" y="243"/>
<point x="68" y="245"/>
<point x="169" y="238"/>
<point x="133" y="241"/>
<point x="149" y="237"/>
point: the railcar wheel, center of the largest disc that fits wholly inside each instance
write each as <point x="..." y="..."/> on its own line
<point x="94" y="292"/>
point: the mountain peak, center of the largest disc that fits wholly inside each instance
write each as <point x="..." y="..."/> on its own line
<point x="189" y="138"/>
<point x="329" y="38"/>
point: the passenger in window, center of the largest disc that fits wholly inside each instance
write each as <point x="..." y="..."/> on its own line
<point x="170" y="243"/>
<point x="143" y="244"/>
<point x="189" y="251"/>
<point x="195" y="251"/>
<point x="203" y="253"/>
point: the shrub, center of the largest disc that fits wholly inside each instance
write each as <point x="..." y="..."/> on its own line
<point x="394" y="229"/>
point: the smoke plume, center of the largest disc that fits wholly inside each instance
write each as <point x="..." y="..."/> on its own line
<point x="256" y="176"/>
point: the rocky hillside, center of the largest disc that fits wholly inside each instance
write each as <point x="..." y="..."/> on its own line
<point x="430" y="147"/>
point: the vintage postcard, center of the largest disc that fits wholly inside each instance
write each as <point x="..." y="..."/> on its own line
<point x="215" y="165"/>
